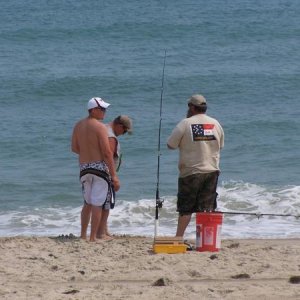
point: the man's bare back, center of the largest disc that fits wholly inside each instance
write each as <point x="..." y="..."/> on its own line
<point x="89" y="139"/>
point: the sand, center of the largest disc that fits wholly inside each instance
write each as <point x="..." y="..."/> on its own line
<point x="126" y="268"/>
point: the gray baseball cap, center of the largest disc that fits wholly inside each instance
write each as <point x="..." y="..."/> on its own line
<point x="197" y="100"/>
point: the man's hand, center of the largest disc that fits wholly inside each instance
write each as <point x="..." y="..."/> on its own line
<point x="116" y="183"/>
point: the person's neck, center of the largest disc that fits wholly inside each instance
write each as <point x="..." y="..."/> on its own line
<point x="198" y="113"/>
<point x="92" y="117"/>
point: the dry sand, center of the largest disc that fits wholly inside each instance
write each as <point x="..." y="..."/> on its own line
<point x="126" y="268"/>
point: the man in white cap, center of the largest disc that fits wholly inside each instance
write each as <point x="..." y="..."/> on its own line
<point x="119" y="126"/>
<point x="97" y="172"/>
<point x="199" y="139"/>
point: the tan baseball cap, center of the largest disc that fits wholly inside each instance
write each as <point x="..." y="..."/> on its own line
<point x="125" y="121"/>
<point x="197" y="100"/>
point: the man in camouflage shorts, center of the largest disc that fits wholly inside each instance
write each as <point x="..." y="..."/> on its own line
<point x="199" y="139"/>
<point x="197" y="192"/>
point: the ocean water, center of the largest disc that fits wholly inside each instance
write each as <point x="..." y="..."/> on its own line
<point x="242" y="55"/>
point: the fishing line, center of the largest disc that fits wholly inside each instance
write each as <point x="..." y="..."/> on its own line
<point x="258" y="215"/>
<point x="159" y="201"/>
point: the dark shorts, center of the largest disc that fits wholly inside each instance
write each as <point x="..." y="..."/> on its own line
<point x="197" y="193"/>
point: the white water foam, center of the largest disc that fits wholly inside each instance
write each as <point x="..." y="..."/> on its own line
<point x="137" y="217"/>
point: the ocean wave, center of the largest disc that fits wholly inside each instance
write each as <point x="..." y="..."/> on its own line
<point x="137" y="217"/>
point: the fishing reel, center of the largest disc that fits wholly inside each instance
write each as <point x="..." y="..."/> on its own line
<point x="159" y="202"/>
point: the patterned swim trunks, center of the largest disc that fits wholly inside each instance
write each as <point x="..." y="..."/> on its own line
<point x="96" y="185"/>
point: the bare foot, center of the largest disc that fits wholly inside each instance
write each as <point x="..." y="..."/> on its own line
<point x="96" y="241"/>
<point x="105" y="237"/>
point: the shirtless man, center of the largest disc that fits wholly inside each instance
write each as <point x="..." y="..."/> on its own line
<point x="97" y="172"/>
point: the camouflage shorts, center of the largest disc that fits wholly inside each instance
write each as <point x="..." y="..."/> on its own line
<point x="197" y="193"/>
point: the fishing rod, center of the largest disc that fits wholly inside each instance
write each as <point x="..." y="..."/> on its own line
<point x="159" y="201"/>
<point x="258" y="215"/>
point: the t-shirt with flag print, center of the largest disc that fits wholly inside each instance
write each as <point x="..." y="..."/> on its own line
<point x="199" y="139"/>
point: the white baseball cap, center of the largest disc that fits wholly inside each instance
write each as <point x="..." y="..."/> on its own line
<point x="97" y="102"/>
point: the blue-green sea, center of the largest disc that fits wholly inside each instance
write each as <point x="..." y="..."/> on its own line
<point x="243" y="56"/>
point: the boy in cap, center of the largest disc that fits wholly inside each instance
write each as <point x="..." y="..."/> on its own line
<point x="97" y="171"/>
<point x="119" y="126"/>
<point x="199" y="139"/>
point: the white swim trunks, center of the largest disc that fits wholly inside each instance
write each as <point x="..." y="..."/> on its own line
<point x="94" y="190"/>
<point x="96" y="185"/>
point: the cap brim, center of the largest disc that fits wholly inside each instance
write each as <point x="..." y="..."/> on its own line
<point x="104" y="104"/>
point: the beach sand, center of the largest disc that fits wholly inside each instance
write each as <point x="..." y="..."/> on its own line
<point x="66" y="267"/>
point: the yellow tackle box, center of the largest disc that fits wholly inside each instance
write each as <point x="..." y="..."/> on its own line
<point x="170" y="245"/>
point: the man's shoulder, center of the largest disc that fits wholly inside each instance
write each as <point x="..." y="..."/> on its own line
<point x="184" y="122"/>
<point x="215" y="121"/>
<point x="82" y="121"/>
<point x="91" y="124"/>
<point x="181" y="125"/>
<point x="208" y="118"/>
<point x="94" y="122"/>
<point x="78" y="124"/>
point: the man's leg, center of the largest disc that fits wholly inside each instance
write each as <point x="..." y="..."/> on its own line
<point x="207" y="198"/>
<point x="96" y="216"/>
<point x="85" y="219"/>
<point x="183" y="222"/>
<point x="102" y="230"/>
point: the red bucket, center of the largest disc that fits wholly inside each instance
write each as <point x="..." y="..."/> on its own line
<point x="208" y="231"/>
